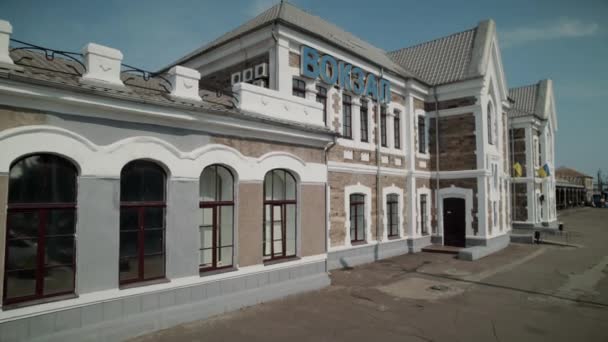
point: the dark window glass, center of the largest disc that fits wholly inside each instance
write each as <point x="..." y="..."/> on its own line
<point x="397" y="129"/>
<point x="142" y="222"/>
<point x="383" y="141"/>
<point x="280" y="207"/>
<point x="392" y="208"/>
<point x="322" y="99"/>
<point x="421" y="135"/>
<point x="490" y="128"/>
<point x="364" y="120"/>
<point x="298" y="88"/>
<point x="42" y="178"/>
<point x="142" y="181"/>
<point x="347" y="125"/>
<point x="423" y="214"/>
<point x="40" y="226"/>
<point x="357" y="217"/>
<point x="217" y="221"/>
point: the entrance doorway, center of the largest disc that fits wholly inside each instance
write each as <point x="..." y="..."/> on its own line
<point x="454" y="222"/>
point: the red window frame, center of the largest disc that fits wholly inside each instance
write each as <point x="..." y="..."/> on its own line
<point x="141" y="206"/>
<point x="217" y="233"/>
<point x="141" y="228"/>
<point x="392" y="209"/>
<point x="356" y="206"/>
<point x="347" y="116"/>
<point x="363" y="119"/>
<point x="283" y="205"/>
<point x="42" y="209"/>
<point x="383" y="139"/>
<point x="397" y="129"/>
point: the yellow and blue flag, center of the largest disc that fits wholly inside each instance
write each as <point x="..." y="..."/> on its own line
<point x="517" y="169"/>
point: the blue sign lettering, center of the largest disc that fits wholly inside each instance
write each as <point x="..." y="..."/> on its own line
<point x="346" y="76"/>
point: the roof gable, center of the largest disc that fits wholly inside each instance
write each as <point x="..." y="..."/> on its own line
<point x="290" y="15"/>
<point x="453" y="58"/>
<point x="534" y="100"/>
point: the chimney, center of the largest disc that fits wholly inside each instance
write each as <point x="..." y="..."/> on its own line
<point x="184" y="83"/>
<point x="5" y="35"/>
<point x="103" y="66"/>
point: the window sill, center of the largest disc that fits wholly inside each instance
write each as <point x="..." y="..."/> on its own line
<point x="394" y="237"/>
<point x="280" y="260"/>
<point x="38" y="301"/>
<point x="204" y="273"/>
<point x="358" y="243"/>
<point x="143" y="283"/>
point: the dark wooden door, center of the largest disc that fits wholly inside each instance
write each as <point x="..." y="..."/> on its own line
<point x="454" y="222"/>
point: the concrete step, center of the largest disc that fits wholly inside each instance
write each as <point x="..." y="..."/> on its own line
<point x="442" y="249"/>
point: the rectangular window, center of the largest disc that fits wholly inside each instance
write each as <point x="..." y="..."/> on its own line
<point x="423" y="216"/>
<point x="392" y="207"/>
<point x="383" y="141"/>
<point x="363" y="119"/>
<point x="357" y="218"/>
<point x="421" y="135"/>
<point x="397" y="129"/>
<point x="347" y="115"/>
<point x="298" y="88"/>
<point x="322" y="99"/>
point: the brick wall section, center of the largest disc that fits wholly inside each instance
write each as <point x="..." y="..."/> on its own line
<point x="453" y="103"/>
<point x="294" y="60"/>
<point x="257" y="148"/>
<point x="13" y="117"/>
<point x="517" y="141"/>
<point x="418" y="104"/>
<point x="457" y="143"/>
<point x="312" y="219"/>
<point x="519" y="201"/>
<point x="338" y="181"/>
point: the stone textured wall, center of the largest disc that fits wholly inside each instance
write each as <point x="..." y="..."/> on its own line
<point x="337" y="153"/>
<point x="338" y="181"/>
<point x="294" y="60"/>
<point x="221" y="79"/>
<point x="457" y="143"/>
<point x="448" y="104"/>
<point x="256" y="148"/>
<point x="12" y="117"/>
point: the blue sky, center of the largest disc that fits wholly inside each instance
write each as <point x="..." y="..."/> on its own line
<point x="566" y="41"/>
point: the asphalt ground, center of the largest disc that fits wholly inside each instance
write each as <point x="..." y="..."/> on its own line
<point x="522" y="293"/>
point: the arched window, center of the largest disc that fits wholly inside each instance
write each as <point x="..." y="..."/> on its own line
<point x="392" y="215"/>
<point x="357" y="218"/>
<point x="490" y="124"/>
<point x="279" y="240"/>
<point x="217" y="226"/>
<point x="142" y="222"/>
<point x="40" y="226"/>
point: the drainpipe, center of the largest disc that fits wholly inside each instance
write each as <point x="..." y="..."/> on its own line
<point x="437" y="161"/>
<point x="378" y="194"/>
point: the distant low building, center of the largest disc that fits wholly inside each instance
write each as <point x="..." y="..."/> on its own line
<point x="573" y="188"/>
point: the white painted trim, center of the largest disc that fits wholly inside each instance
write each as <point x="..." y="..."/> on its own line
<point x="107" y="160"/>
<point x="334" y="166"/>
<point x="388" y="190"/>
<point x="358" y="189"/>
<point x="467" y="195"/>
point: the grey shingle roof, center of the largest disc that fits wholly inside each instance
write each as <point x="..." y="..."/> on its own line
<point x="524" y="100"/>
<point x="289" y="14"/>
<point x="439" y="61"/>
<point x="63" y="73"/>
